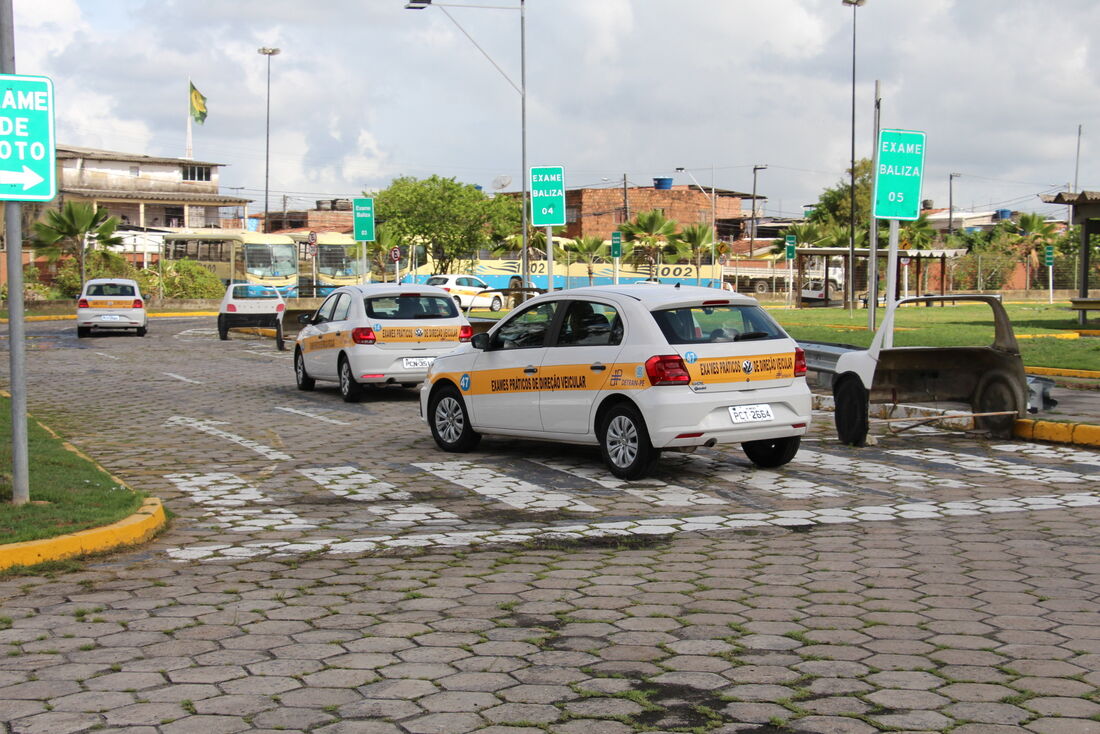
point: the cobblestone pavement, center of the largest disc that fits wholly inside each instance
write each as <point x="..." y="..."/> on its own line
<point x="329" y="570"/>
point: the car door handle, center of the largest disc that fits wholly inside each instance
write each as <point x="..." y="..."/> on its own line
<point x="597" y="367"/>
<point x="529" y="370"/>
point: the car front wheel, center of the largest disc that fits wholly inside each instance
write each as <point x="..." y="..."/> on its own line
<point x="624" y="443"/>
<point x="772" y="452"/>
<point x="305" y="382"/>
<point x="450" y="422"/>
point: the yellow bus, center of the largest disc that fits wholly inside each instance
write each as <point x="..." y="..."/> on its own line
<point x="330" y="262"/>
<point x="239" y="257"/>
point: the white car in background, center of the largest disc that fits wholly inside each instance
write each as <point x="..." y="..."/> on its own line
<point x="377" y="334"/>
<point x="110" y="304"/>
<point x="252" y="305"/>
<point x="634" y="369"/>
<point x="467" y="291"/>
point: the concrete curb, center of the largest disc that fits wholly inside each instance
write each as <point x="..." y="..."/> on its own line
<point x="1059" y="372"/>
<point x="72" y="317"/>
<point x="1079" y="434"/>
<point x="137" y="528"/>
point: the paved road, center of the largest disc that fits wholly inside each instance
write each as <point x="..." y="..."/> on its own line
<point x="329" y="570"/>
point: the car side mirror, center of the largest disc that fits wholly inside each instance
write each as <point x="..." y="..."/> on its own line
<point x="305" y="318"/>
<point x="480" y="341"/>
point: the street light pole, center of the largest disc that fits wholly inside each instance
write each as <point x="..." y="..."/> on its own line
<point x="951" y="202"/>
<point x="851" y="279"/>
<point x="713" y="209"/>
<point x="268" y="52"/>
<point x="752" y="231"/>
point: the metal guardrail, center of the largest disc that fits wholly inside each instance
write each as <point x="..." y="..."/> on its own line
<point x="822" y="357"/>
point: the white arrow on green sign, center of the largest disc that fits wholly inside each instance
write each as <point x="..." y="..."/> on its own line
<point x="898" y="175"/>
<point x="28" y="152"/>
<point x="547" y="196"/>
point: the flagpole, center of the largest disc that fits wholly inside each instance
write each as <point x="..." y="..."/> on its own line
<point x="188" y="155"/>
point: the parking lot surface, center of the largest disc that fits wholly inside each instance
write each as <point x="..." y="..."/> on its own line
<point x="329" y="569"/>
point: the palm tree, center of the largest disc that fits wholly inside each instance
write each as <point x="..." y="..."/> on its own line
<point x="588" y="250"/>
<point x="917" y="234"/>
<point x="1035" y="232"/>
<point x="653" y="235"/>
<point x="696" y="240"/>
<point x="68" y="230"/>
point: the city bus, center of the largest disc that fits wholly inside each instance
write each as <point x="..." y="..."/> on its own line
<point x="239" y="257"/>
<point x="332" y="261"/>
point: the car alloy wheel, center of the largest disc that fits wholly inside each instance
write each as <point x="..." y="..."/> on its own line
<point x="622" y="441"/>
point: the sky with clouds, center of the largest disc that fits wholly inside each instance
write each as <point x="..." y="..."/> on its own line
<point x="365" y="90"/>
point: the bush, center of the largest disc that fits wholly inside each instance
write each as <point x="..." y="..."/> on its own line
<point x="97" y="264"/>
<point x="182" y="279"/>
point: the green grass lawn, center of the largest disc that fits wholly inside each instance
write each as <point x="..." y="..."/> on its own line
<point x="956" y="325"/>
<point x="68" y="493"/>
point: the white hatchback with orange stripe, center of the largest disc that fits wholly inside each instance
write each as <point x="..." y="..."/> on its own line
<point x="634" y="369"/>
<point x="110" y="303"/>
<point x="376" y="334"/>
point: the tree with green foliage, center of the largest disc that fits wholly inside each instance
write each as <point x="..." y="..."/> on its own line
<point x="835" y="203"/>
<point x="1035" y="233"/>
<point x="588" y="250"/>
<point x="651" y="236"/>
<point x="72" y="229"/>
<point x="455" y="220"/>
<point x="917" y="234"/>
<point x="696" y="239"/>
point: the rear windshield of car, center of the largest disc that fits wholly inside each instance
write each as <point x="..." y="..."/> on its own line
<point x="110" y="289"/>
<point x="410" y="307"/>
<point x="254" y="291"/>
<point x="435" y="281"/>
<point x="716" y="324"/>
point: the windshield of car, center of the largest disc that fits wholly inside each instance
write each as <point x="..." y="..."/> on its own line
<point x="414" y="306"/>
<point x="714" y="324"/>
<point x="110" y="289"/>
<point x="241" y="292"/>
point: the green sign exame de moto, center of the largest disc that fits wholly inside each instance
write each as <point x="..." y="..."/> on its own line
<point x="28" y="152"/>
<point x="547" y="196"/>
<point x="898" y="174"/>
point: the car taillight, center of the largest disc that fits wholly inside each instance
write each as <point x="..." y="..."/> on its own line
<point x="279" y="308"/>
<point x="667" y="369"/>
<point x="465" y="333"/>
<point x="363" y="335"/>
<point x="799" y="362"/>
<point x="446" y="288"/>
<point x="82" y="303"/>
<point x="138" y="303"/>
<point x="231" y="308"/>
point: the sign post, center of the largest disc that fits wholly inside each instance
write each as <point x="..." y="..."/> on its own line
<point x="548" y="208"/>
<point x="790" y="243"/>
<point x="28" y="172"/>
<point x="616" y="251"/>
<point x="1048" y="260"/>
<point x="395" y="255"/>
<point x="362" y="211"/>
<point x="898" y="179"/>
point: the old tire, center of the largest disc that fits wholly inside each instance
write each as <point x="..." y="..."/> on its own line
<point x="995" y="393"/>
<point x="450" y="422"/>
<point x="770" y="453"/>
<point x="350" y="390"/>
<point x="223" y="328"/>
<point x="624" y="443"/>
<point x="850" y="403"/>
<point x="305" y="382"/>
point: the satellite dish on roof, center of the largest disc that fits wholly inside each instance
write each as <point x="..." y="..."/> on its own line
<point x="502" y="181"/>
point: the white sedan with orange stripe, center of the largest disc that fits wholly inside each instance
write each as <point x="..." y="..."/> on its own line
<point x="110" y="303"/>
<point x="634" y="369"/>
<point x="376" y="334"/>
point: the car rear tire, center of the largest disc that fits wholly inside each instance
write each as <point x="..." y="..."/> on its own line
<point x="83" y="332"/>
<point x="305" y="382"/>
<point x="350" y="390"/>
<point x="496" y="304"/>
<point x="624" y="443"/>
<point x="770" y="453"/>
<point x="850" y="404"/>
<point x="142" y="331"/>
<point x="280" y="343"/>
<point x="995" y="393"/>
<point x="450" y="421"/>
<point x="223" y="328"/>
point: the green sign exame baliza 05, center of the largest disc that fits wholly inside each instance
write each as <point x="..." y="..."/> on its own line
<point x="898" y="174"/>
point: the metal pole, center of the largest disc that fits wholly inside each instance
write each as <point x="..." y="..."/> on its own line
<point x="268" y="52"/>
<point x="891" y="280"/>
<point x="549" y="259"/>
<point x="17" y="355"/>
<point x="525" y="264"/>
<point x="752" y="229"/>
<point x="851" y="280"/>
<point x="713" y="225"/>
<point x="872" y="259"/>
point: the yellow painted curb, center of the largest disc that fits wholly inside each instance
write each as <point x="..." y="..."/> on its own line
<point x="137" y="528"/>
<point x="1059" y="372"/>
<point x="1080" y="434"/>
<point x="1088" y="332"/>
<point x="1069" y="335"/>
<point x="67" y="317"/>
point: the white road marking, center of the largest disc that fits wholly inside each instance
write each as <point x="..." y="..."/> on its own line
<point x="314" y="416"/>
<point x="108" y="356"/>
<point x="350" y="482"/>
<point x="207" y="426"/>
<point x="664" y="526"/>
<point x="513" y="492"/>
<point x="875" y="472"/>
<point x="1008" y="469"/>
<point x="229" y="495"/>
<point x="657" y="493"/>
<point x="765" y="480"/>
<point x="181" y="377"/>
<point x="1059" y="453"/>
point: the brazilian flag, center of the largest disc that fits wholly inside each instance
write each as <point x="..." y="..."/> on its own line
<point x="198" y="105"/>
